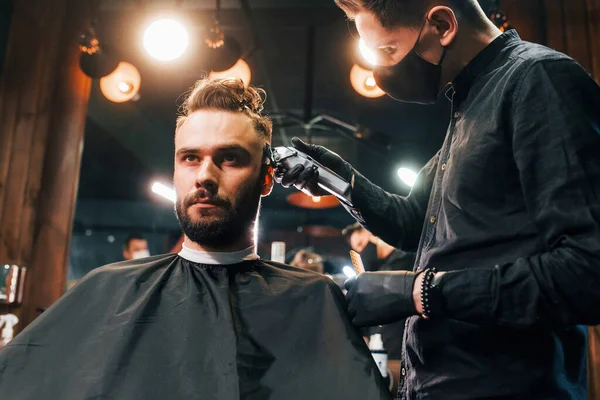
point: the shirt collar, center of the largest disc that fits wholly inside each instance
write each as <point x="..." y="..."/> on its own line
<point x="218" y="258"/>
<point x="476" y="66"/>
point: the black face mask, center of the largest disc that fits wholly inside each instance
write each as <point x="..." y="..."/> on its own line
<point x="369" y="257"/>
<point x="413" y="79"/>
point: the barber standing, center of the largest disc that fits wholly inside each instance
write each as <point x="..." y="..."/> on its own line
<point x="505" y="217"/>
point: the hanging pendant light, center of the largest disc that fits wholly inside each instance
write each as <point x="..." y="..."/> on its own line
<point x="95" y="60"/>
<point x="222" y="54"/>
<point x="302" y="200"/>
<point x="240" y="70"/>
<point x="122" y="85"/>
<point x="363" y="82"/>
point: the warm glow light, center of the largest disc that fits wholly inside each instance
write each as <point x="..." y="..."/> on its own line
<point x="240" y="70"/>
<point x="370" y="82"/>
<point x="166" y="39"/>
<point x="363" y="82"/>
<point x="316" y="199"/>
<point x="349" y="271"/>
<point x="366" y="53"/>
<point x="125" y="87"/>
<point x="122" y="84"/>
<point x="164" y="191"/>
<point x="407" y="176"/>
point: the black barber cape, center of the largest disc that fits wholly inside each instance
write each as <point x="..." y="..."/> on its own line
<point x="166" y="328"/>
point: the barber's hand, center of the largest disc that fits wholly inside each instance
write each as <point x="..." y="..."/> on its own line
<point x="306" y="179"/>
<point x="379" y="298"/>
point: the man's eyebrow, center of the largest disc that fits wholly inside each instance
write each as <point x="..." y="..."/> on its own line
<point x="187" y="150"/>
<point x="235" y="147"/>
<point x="222" y="148"/>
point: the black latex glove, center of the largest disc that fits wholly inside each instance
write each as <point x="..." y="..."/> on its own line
<point x="379" y="298"/>
<point x="306" y="179"/>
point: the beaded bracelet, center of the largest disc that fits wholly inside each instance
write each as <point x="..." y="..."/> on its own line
<point x="428" y="276"/>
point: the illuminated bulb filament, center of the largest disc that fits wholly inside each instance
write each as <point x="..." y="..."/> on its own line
<point x="370" y="82"/>
<point x="125" y="87"/>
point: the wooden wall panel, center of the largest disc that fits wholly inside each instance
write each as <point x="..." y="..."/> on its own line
<point x="523" y="16"/>
<point x="555" y="22"/>
<point x="43" y="106"/>
<point x="576" y="32"/>
<point x="27" y="129"/>
<point x="593" y="17"/>
<point x="60" y="181"/>
<point x="573" y="27"/>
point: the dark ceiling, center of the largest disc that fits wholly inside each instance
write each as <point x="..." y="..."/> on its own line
<point x="129" y="145"/>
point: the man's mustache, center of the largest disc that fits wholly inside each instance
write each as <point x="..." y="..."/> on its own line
<point x="204" y="196"/>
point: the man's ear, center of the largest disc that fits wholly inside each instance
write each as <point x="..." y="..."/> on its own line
<point x="445" y="22"/>
<point x="268" y="182"/>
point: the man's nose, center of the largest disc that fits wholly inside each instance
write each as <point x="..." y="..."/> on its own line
<point x="207" y="176"/>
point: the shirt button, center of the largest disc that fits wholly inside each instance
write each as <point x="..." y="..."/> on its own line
<point x="432" y="220"/>
<point x="456" y="115"/>
<point x="443" y="167"/>
<point x="403" y="371"/>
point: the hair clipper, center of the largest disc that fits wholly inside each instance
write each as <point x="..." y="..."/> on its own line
<point x="288" y="157"/>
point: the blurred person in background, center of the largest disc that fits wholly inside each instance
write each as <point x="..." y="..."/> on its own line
<point x="308" y="260"/>
<point x="376" y="254"/>
<point x="135" y="247"/>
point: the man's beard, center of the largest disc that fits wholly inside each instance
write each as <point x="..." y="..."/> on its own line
<point x="226" y="227"/>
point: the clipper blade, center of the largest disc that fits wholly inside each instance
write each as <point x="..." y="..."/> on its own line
<point x="357" y="262"/>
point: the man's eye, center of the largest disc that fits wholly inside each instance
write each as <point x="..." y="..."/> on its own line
<point x="190" y="158"/>
<point x="230" y="158"/>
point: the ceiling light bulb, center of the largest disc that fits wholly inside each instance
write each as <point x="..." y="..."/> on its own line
<point x="125" y="87"/>
<point x="370" y="82"/>
<point x="166" y="39"/>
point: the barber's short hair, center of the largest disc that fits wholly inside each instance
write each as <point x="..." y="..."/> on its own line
<point x="350" y="229"/>
<point x="410" y="13"/>
<point x="133" y="236"/>
<point x="228" y="94"/>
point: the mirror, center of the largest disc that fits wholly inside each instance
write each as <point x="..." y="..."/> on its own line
<point x="11" y="284"/>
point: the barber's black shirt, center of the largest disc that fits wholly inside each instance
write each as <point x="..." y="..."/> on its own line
<point x="510" y="207"/>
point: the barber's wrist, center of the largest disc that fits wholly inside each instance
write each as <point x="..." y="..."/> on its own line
<point x="431" y="302"/>
<point x="418" y="285"/>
